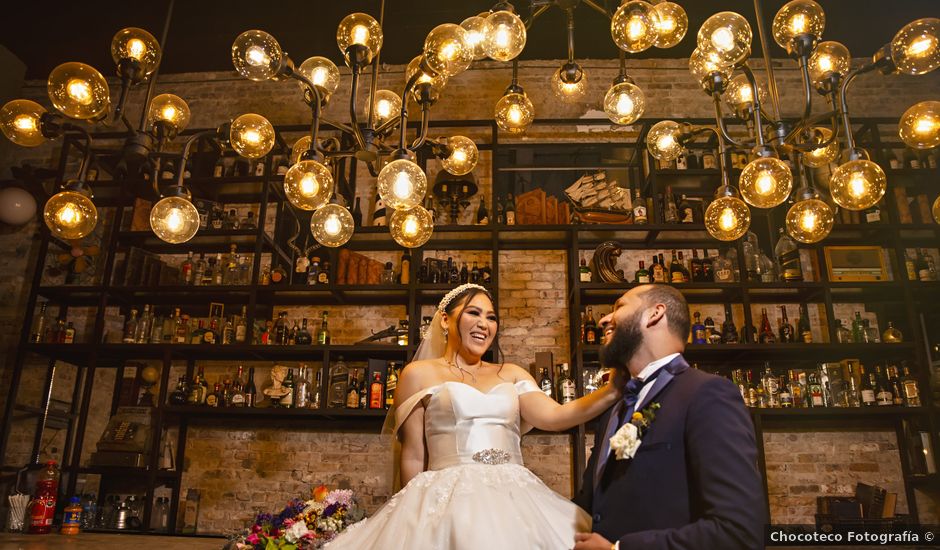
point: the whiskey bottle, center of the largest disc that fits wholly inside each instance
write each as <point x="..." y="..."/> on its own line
<point x="883" y="395"/>
<point x="909" y="387"/>
<point x="698" y="329"/>
<point x="590" y="328"/>
<point x="464" y="274"/>
<point x="786" y="329"/>
<point x="287" y="400"/>
<point x="241" y="326"/>
<point x="186" y="269"/>
<point x="357" y="214"/>
<point x="199" y="270"/>
<point x="312" y="269"/>
<point x="642" y="275"/>
<point x="281" y="330"/>
<point x="315" y="394"/>
<point x="788" y="257"/>
<point x="867" y="390"/>
<point x="228" y="332"/>
<point x="658" y="269"/>
<point x="771" y="385"/>
<point x="708" y="268"/>
<point x="214" y="399"/>
<point x="815" y="397"/>
<point x="510" y="210"/>
<point x="323" y="334"/>
<point x="237" y="396"/>
<point x="303" y="337"/>
<point x="566" y="389"/>
<point x="483" y="217"/>
<point x="766" y="332"/>
<point x="584" y="272"/>
<point x="339" y="381"/>
<point x="130" y="328"/>
<point x="352" y="392"/>
<point x="803" y="330"/>
<point x="180" y="395"/>
<point x="390" y="384"/>
<point x="323" y="275"/>
<point x="251" y="391"/>
<point x="786" y="394"/>
<point x="376" y="392"/>
<point x="697" y="273"/>
<point x="639" y="209"/>
<point x="729" y="333"/>
<point x="676" y="270"/>
<point x="670" y="212"/>
<point x="685" y="211"/>
<point x="753" y="394"/>
<point x="248" y="222"/>
<point x="474" y="274"/>
<point x="453" y="274"/>
<point x="545" y="382"/>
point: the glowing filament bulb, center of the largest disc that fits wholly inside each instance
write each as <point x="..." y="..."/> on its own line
<point x="332" y="225"/>
<point x="723" y="39"/>
<point x="360" y="35"/>
<point x="858" y="186"/>
<point x="402" y="187"/>
<point x="636" y="28"/>
<point x="922" y="46"/>
<point x="80" y="91"/>
<point x="25" y="123"/>
<point x="309" y="185"/>
<point x="411" y="226"/>
<point x="808" y="221"/>
<point x="515" y="114"/>
<point x="765" y="183"/>
<point x="256" y="56"/>
<point x="798" y="23"/>
<point x="319" y="76"/>
<point x="174" y="221"/>
<point x="252" y="136"/>
<point x="825" y="63"/>
<point x="666" y="142"/>
<point x="69" y="215"/>
<point x="502" y="37"/>
<point x="449" y="51"/>
<point x="745" y="95"/>
<point x="425" y="77"/>
<point x="924" y="126"/>
<point x="459" y="155"/>
<point x="383" y="108"/>
<point x="625" y="104"/>
<point x="727" y="220"/>
<point x="666" y="24"/>
<point x="168" y="113"/>
<point x="136" y="48"/>
<point x="474" y="38"/>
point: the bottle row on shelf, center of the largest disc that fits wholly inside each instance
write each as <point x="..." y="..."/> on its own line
<point x="843" y="384"/>
<point x="349" y="387"/>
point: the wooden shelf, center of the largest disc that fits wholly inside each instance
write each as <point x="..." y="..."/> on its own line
<point x="808" y="353"/>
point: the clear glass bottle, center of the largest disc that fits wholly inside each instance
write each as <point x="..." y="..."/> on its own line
<point x="130" y="328"/>
<point x="566" y="388"/>
<point x="723" y="269"/>
<point x="892" y="335"/>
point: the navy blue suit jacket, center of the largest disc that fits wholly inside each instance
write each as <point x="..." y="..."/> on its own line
<point x="693" y="482"/>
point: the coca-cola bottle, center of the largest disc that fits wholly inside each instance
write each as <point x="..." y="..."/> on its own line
<point x="42" y="507"/>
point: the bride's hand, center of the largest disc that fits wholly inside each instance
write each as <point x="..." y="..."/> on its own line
<point x="591" y="541"/>
<point x="618" y="379"/>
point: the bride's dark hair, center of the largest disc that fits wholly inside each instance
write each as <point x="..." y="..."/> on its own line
<point x="461" y="301"/>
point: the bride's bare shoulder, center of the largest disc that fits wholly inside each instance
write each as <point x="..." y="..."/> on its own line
<point x="420" y="374"/>
<point x="515" y="372"/>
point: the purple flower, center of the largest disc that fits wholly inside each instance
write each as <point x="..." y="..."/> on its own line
<point x="330" y="509"/>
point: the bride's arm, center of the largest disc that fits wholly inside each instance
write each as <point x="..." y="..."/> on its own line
<point x="413" y="450"/>
<point x="545" y="413"/>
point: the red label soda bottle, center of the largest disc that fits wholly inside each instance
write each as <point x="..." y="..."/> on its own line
<point x="42" y="507"/>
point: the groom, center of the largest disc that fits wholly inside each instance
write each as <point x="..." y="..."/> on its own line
<point x="693" y="481"/>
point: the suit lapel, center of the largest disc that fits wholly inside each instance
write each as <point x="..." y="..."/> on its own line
<point x="670" y="371"/>
<point x="604" y="443"/>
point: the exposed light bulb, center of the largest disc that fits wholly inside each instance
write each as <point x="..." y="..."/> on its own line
<point x="924" y="126"/>
<point x="309" y="185"/>
<point x="515" y="114"/>
<point x="136" y="48"/>
<point x="360" y="35"/>
<point x="723" y="39"/>
<point x="383" y="108"/>
<point x="727" y="220"/>
<point x="319" y="76"/>
<point x="636" y="28"/>
<point x="69" y="216"/>
<point x="174" y="221"/>
<point x="765" y="183"/>
<point x="410" y="226"/>
<point x="402" y="187"/>
<point x="256" y="56"/>
<point x="666" y="142"/>
<point x="824" y="62"/>
<point x="402" y="184"/>
<point x="251" y="136"/>
<point x="666" y="24"/>
<point x="922" y="46"/>
<point x="80" y="91"/>
<point x="332" y="225"/>
<point x="168" y="112"/>
<point x="502" y="36"/>
<point x="625" y="104"/>
<point x="25" y="123"/>
<point x="798" y="23"/>
<point x="858" y="185"/>
<point x="808" y="221"/>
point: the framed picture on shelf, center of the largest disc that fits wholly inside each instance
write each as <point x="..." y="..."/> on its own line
<point x="855" y="264"/>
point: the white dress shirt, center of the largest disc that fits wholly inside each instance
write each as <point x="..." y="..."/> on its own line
<point x="648" y="371"/>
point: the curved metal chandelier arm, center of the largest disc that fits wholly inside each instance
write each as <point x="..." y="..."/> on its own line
<point x="86" y="153"/>
<point x="315" y="107"/>
<point x="569" y="15"/>
<point x="597" y="7"/>
<point x="538" y="11"/>
<point x="693" y="131"/>
<point x="755" y="97"/>
<point x="338" y="125"/>
<point x="403" y="115"/>
<point x="353" y="118"/>
<point x="153" y="77"/>
<point x="184" y="154"/>
<point x="807" y="87"/>
<point x="844" y="105"/>
<point x="720" y="129"/>
<point x="423" y="135"/>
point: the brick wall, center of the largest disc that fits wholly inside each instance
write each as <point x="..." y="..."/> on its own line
<point x="257" y="465"/>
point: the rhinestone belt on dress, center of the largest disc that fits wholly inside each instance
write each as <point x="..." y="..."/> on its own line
<point x="491" y="456"/>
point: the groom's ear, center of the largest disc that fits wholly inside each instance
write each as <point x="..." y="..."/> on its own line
<point x="655" y="315"/>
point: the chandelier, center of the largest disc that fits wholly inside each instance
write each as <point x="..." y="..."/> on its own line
<point x="724" y="45"/>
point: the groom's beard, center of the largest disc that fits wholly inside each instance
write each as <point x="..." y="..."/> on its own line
<point x="623" y="343"/>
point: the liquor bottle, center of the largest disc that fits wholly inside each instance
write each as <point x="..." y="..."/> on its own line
<point x="404" y="270"/>
<point x="723" y="269"/>
<point x="788" y="257"/>
<point x="712" y="335"/>
<point x="483" y="217"/>
<point x="729" y="333"/>
<point x="228" y="332"/>
<point x="858" y="331"/>
<point x="376" y="392"/>
<point x="786" y="329"/>
<point x="670" y="212"/>
<point x="771" y="385"/>
<point x="357" y="213"/>
<point x="545" y="382"/>
<point x="237" y="396"/>
<point x="142" y="334"/>
<point x="287" y="400"/>
<point x="737" y="376"/>
<point x="251" y="391"/>
<point x="403" y="332"/>
<point x="590" y="327"/>
<point x="180" y="394"/>
<point x="921" y="266"/>
<point x="339" y="382"/>
<point x="313" y="268"/>
<point x="685" y="210"/>
<point x="303" y="337"/>
<point x="390" y="384"/>
<point x="566" y="390"/>
<point x="753" y="395"/>
<point x="199" y="269"/>
<point x="38" y="333"/>
<point x="130" y="329"/>
<point x="218" y="273"/>
<point x="681" y="163"/>
<point x="892" y="335"/>
<point x="486" y="274"/>
<point x="766" y="334"/>
<point x="696" y="272"/>
<point x="281" y="330"/>
<point x="510" y="210"/>
<point x="658" y="270"/>
<point x="803" y="330"/>
<point x="208" y="272"/>
<point x="708" y="268"/>
<point x="474" y="274"/>
<point x="584" y="272"/>
<point x="867" y="390"/>
<point x="214" y="399"/>
<point x="786" y="393"/>
<point x="248" y="222"/>
<point x="323" y="334"/>
<point x="302" y="387"/>
<point x="352" y="392"/>
<point x="815" y="397"/>
<point x="639" y="209"/>
<point x="323" y="275"/>
<point x="464" y="274"/>
<point x="709" y="162"/>
<point x="909" y="387"/>
<point x="186" y="269"/>
<point x="676" y="271"/>
<point x="642" y="275"/>
<point x="241" y="326"/>
<point x="883" y="395"/>
<point x="895" y="385"/>
<point x="698" y="329"/>
<point x="500" y="212"/>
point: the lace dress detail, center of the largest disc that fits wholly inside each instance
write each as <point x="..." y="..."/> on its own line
<point x="476" y="493"/>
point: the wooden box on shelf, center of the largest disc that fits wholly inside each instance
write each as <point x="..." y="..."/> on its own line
<point x="855" y="264"/>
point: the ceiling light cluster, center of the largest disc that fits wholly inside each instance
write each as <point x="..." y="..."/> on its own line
<point x="723" y="48"/>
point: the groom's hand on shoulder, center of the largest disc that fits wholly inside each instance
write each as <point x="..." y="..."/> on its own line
<point x="591" y="541"/>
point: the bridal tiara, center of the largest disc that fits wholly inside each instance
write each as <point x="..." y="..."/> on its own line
<point x="447" y="299"/>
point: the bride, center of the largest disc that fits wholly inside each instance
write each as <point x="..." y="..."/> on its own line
<point x="460" y="420"/>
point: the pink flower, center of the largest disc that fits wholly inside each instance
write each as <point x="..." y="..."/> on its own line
<point x="287" y="523"/>
<point x="253" y="539"/>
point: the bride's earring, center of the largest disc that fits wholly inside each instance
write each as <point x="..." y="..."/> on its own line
<point x="445" y="335"/>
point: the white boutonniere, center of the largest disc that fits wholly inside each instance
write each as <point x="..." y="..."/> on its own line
<point x="628" y="438"/>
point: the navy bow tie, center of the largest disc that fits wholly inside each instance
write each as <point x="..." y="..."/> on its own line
<point x="631" y="392"/>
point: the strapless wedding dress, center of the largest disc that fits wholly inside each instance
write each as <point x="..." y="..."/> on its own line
<point x="476" y="494"/>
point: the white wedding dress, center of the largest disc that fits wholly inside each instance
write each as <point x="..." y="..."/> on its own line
<point x="476" y="494"/>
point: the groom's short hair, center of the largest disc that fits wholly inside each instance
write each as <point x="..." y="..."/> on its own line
<point x="677" y="309"/>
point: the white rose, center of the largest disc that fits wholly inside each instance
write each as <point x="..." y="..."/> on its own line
<point x="296" y="532"/>
<point x="626" y="441"/>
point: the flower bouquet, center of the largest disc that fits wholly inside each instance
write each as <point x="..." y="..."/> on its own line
<point x="302" y="525"/>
